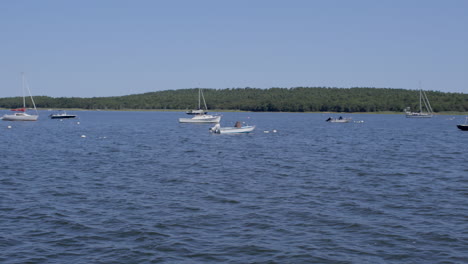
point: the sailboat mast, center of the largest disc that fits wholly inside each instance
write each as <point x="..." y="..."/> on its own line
<point x="204" y="102"/>
<point x="199" y="97"/>
<point x="30" y="95"/>
<point x="22" y="88"/>
<point x="427" y="104"/>
<point x="420" y="100"/>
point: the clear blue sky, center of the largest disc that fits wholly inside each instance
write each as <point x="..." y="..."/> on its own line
<point x="90" y="48"/>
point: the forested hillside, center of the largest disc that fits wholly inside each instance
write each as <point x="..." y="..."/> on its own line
<point x="299" y="99"/>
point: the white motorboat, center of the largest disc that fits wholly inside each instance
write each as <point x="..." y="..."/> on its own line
<point x="338" y="120"/>
<point x="238" y="128"/>
<point x="21" y="114"/>
<point x="201" y="119"/>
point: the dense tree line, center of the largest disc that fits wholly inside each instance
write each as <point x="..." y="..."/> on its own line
<point x="298" y="99"/>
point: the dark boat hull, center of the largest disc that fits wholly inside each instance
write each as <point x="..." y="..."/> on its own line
<point x="62" y="117"/>
<point x="463" y="127"/>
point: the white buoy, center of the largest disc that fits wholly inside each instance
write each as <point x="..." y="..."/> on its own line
<point x="8" y="126"/>
<point x="83" y="136"/>
<point x="266" y="131"/>
<point x="274" y="130"/>
<point x="77" y="123"/>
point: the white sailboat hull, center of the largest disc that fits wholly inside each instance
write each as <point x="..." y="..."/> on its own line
<point x="201" y="119"/>
<point x="418" y="115"/>
<point x="20" y="117"/>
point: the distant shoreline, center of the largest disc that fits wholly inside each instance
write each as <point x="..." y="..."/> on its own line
<point x="240" y="111"/>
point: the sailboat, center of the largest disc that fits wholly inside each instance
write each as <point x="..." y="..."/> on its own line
<point x="202" y="117"/>
<point x="21" y="114"/>
<point x="423" y="100"/>
<point x="199" y="111"/>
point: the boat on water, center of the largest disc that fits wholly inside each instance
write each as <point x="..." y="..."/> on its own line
<point x="61" y="115"/>
<point x="463" y="127"/>
<point x="199" y="110"/>
<point x="200" y="116"/>
<point x="201" y="119"/>
<point x="237" y="128"/>
<point x="21" y="114"/>
<point x="338" y="120"/>
<point x="424" y="112"/>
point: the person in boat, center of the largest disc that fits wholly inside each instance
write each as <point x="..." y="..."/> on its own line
<point x="329" y="119"/>
<point x="341" y="118"/>
<point x="238" y="124"/>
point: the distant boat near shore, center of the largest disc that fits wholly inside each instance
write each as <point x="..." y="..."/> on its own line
<point x="464" y="127"/>
<point x="338" y="120"/>
<point x="61" y="115"/>
<point x="423" y="100"/>
<point x="199" y="111"/>
<point x="21" y="114"/>
<point x="201" y="115"/>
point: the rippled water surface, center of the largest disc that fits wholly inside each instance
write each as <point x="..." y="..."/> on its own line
<point x="138" y="187"/>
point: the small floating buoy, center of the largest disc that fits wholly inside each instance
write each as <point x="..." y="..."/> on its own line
<point x="8" y="126"/>
<point x="77" y="123"/>
<point x="274" y="130"/>
<point x="266" y="131"/>
<point x="83" y="136"/>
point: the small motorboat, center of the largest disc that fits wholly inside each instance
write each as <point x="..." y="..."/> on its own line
<point x="61" y="115"/>
<point x="237" y="128"/>
<point x="464" y="127"/>
<point x="338" y="120"/>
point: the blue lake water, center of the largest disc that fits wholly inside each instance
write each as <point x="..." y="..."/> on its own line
<point x="138" y="187"/>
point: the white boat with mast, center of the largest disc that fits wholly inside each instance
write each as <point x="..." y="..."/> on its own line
<point x="199" y="111"/>
<point x="21" y="114"/>
<point x="423" y="100"/>
<point x="201" y="118"/>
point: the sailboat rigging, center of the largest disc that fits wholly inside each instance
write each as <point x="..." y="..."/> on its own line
<point x="201" y="116"/>
<point x="199" y="110"/>
<point x="21" y="114"/>
<point x="423" y="100"/>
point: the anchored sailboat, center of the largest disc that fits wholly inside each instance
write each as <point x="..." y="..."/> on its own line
<point x="21" y="114"/>
<point x="423" y="100"/>
<point x="201" y="117"/>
